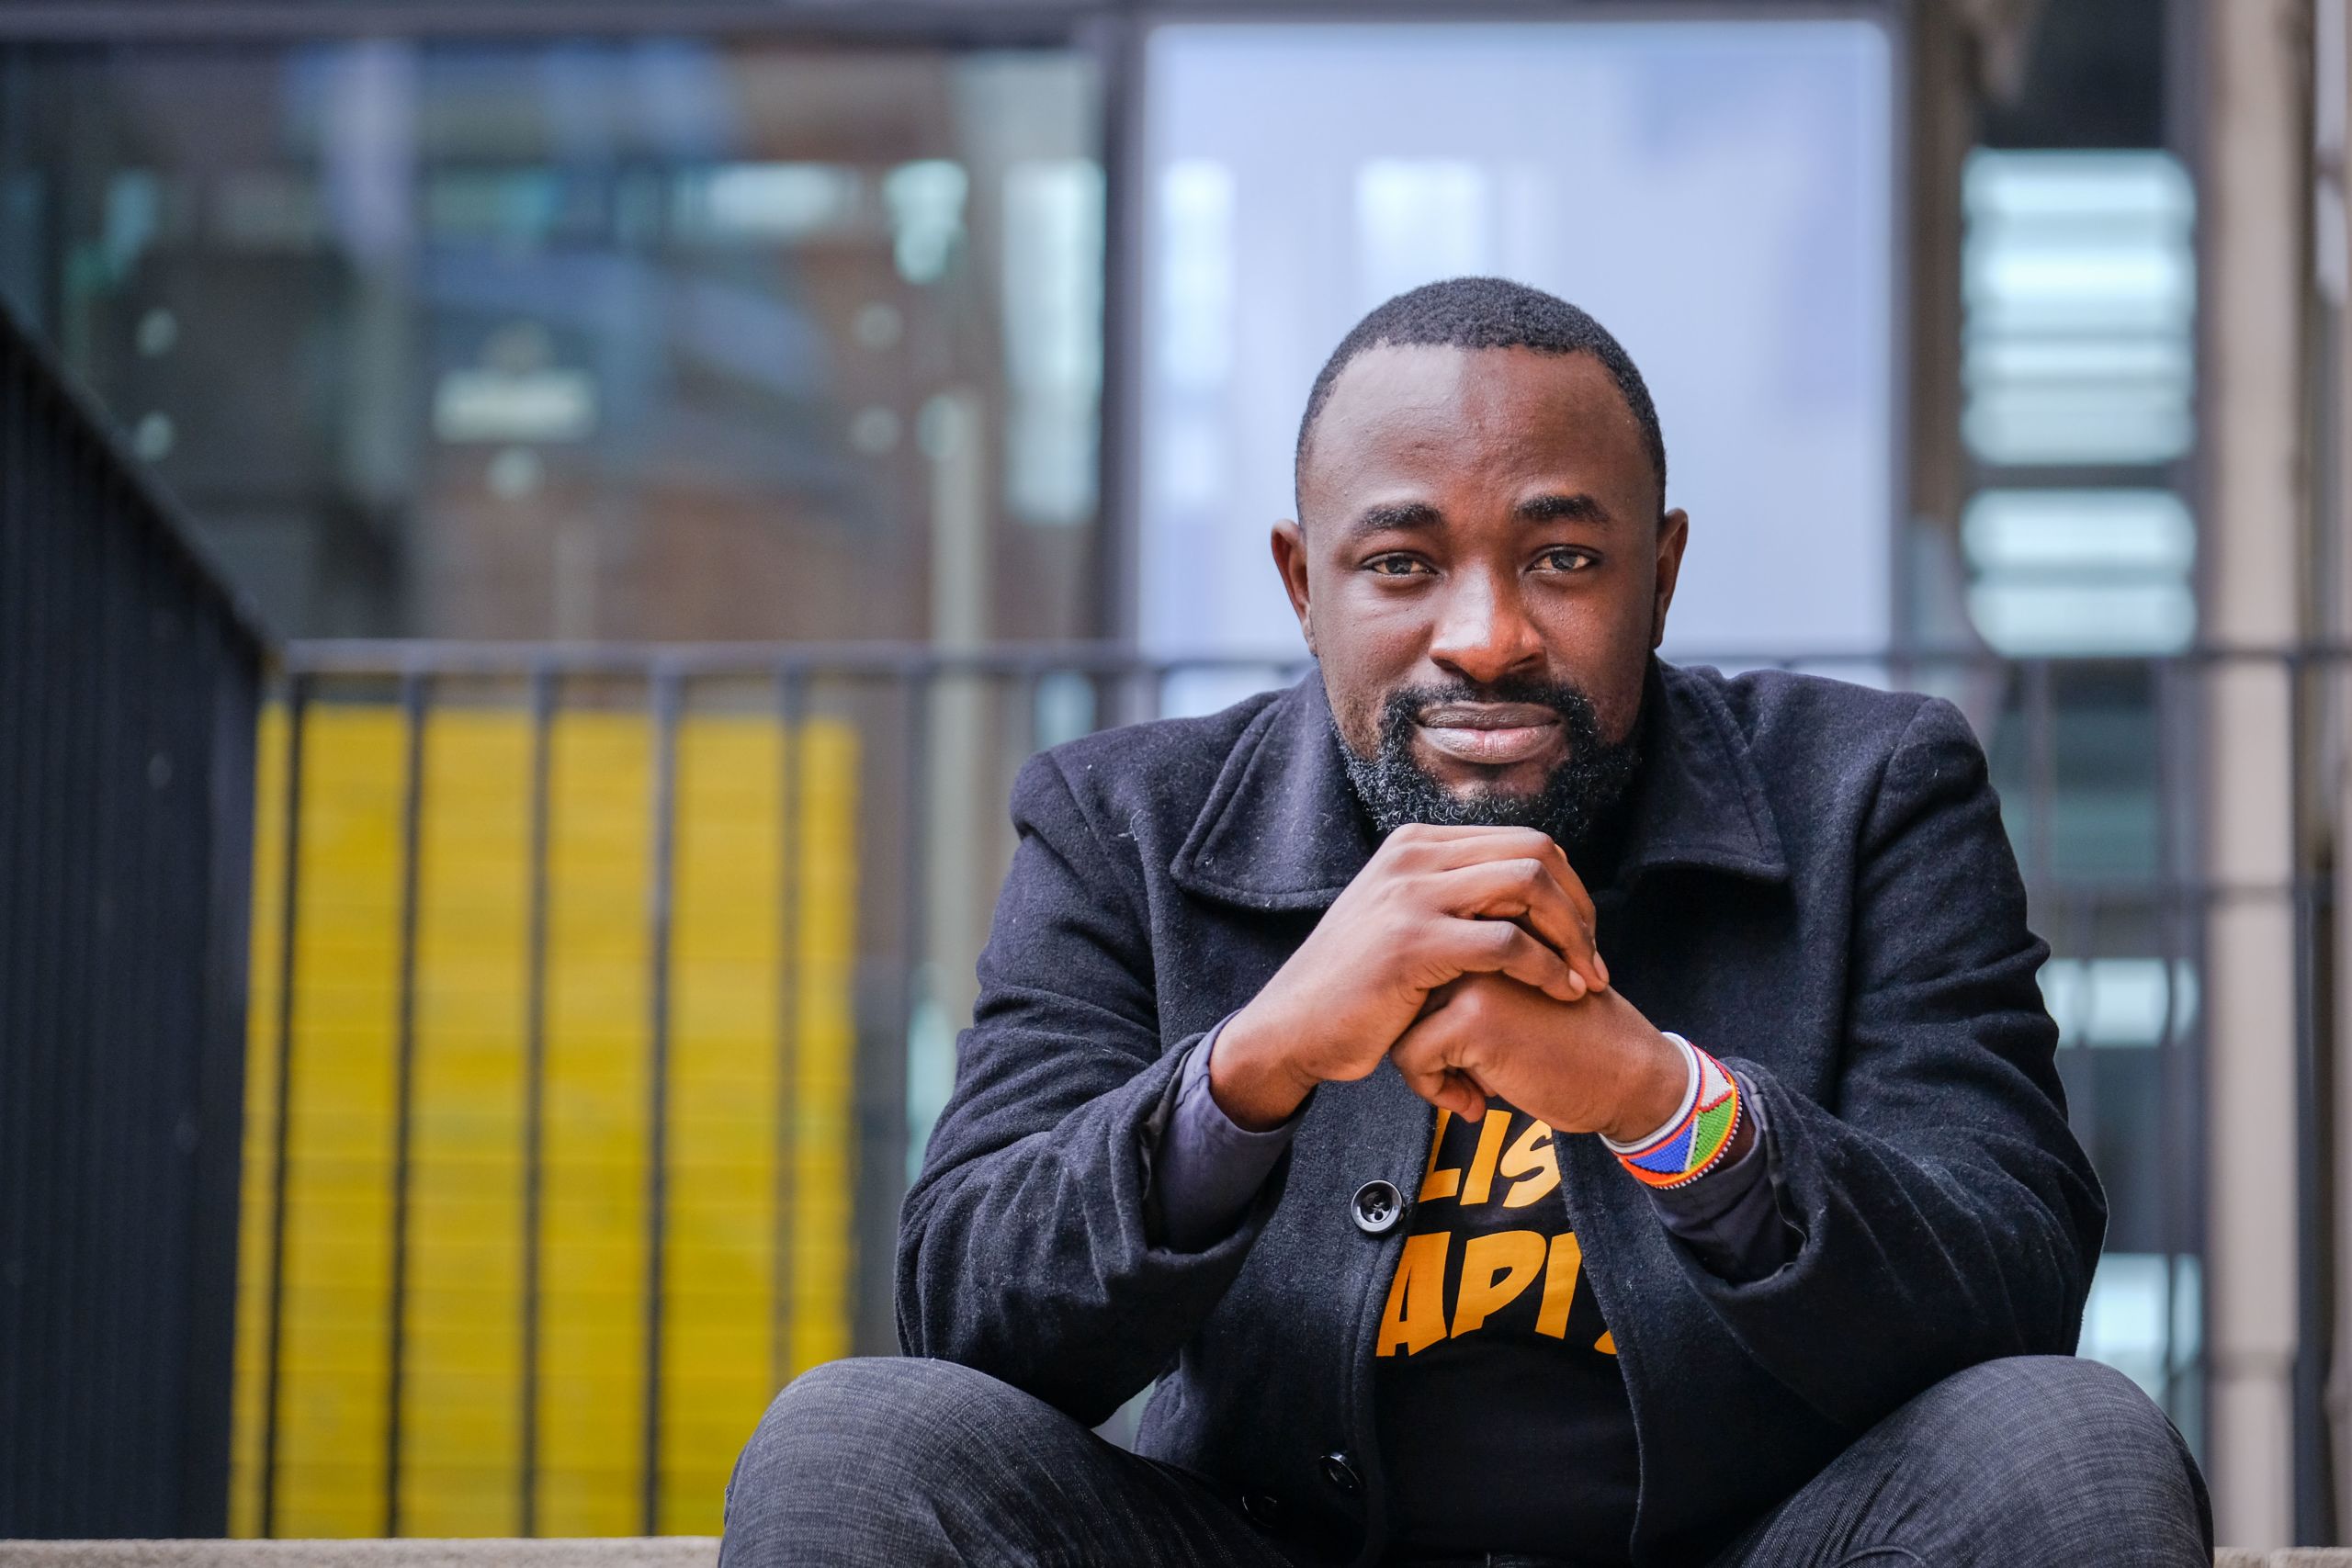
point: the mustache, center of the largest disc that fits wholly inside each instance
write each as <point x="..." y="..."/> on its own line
<point x="1404" y="706"/>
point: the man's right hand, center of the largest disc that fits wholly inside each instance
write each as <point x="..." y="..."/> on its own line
<point x="1431" y="905"/>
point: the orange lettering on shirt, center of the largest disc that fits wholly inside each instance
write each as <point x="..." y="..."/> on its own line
<point x="1606" y="1344"/>
<point x="1560" y="1284"/>
<point x="1494" y="1268"/>
<point x="1415" y="1317"/>
<point x="1531" y="1151"/>
<point x="1436" y="1183"/>
<point x="1482" y="1164"/>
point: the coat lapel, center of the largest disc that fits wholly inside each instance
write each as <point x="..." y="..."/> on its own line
<point x="1281" y="828"/>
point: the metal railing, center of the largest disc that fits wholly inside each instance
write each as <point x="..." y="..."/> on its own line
<point x="128" y="686"/>
<point x="792" y="852"/>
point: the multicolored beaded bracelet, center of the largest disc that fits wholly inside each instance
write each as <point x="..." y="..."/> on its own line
<point x="1688" y="1146"/>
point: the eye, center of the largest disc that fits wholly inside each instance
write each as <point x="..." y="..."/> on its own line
<point x="1568" y="557"/>
<point x="1393" y="565"/>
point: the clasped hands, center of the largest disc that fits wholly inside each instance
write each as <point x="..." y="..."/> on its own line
<point x="1464" y="955"/>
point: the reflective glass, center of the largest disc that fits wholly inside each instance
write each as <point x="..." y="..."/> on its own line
<point x="1718" y="193"/>
<point x="657" y="338"/>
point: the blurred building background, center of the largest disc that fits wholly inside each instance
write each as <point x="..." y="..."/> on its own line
<point x="687" y="457"/>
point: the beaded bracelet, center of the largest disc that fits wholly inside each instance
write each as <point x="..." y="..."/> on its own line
<point x="1688" y="1146"/>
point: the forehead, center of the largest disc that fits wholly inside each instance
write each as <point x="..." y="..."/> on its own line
<point x="1431" y="416"/>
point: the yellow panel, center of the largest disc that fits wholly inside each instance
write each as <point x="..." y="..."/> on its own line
<point x="824" y="1110"/>
<point x="251" y="1386"/>
<point x="733" y="1327"/>
<point x="592" y="1339"/>
<point x="461" y="1410"/>
<point x="719" y="1261"/>
<point x="333" y="1374"/>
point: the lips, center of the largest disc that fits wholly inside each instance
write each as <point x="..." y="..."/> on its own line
<point x="1489" y="734"/>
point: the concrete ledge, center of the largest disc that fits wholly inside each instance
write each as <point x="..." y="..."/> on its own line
<point x="652" y="1551"/>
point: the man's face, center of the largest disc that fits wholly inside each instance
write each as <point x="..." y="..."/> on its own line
<point x="1482" y="571"/>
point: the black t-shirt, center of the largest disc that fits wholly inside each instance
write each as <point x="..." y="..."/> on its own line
<point x="1504" y="1424"/>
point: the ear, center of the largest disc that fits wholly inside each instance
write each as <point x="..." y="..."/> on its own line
<point x="1673" y="533"/>
<point x="1290" y="559"/>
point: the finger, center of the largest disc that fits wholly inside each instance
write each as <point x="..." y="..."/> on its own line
<point x="1420" y="1055"/>
<point x="1526" y="889"/>
<point x="1498" y="947"/>
<point x="1458" y="1092"/>
<point x="1449" y="849"/>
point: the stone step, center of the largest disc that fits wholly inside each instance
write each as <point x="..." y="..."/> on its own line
<point x="652" y="1552"/>
<point x="649" y="1552"/>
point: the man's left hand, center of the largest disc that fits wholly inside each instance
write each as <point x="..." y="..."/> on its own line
<point x="1591" y="1066"/>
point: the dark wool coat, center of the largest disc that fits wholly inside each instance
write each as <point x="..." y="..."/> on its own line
<point x="1815" y="888"/>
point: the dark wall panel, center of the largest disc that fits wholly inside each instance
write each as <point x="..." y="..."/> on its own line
<point x="128" y="691"/>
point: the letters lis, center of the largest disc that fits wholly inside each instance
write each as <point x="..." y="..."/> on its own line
<point x="1498" y="1266"/>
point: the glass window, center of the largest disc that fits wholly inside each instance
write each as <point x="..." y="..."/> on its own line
<point x="649" y="339"/>
<point x="1717" y="194"/>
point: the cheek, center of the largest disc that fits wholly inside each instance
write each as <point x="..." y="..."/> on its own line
<point x="1358" y="718"/>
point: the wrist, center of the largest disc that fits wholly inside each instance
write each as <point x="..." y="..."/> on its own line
<point x="1658" y="1092"/>
<point x="1252" y="1080"/>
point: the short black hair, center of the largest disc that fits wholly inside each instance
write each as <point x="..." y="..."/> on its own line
<point x="1487" y="312"/>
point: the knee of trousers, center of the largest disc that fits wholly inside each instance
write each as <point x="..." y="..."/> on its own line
<point x="2073" y="1440"/>
<point x="904" y="1424"/>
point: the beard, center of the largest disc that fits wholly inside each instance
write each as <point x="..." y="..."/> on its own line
<point x="1577" y="799"/>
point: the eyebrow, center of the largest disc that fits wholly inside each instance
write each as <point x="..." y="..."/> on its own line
<point x="1411" y="517"/>
<point x="1577" y="508"/>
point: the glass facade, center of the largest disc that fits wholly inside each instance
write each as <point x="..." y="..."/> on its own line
<point x="655" y="338"/>
<point x="1719" y="194"/>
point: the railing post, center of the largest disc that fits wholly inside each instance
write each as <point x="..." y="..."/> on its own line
<point x="666" y="697"/>
<point x="534" y="1092"/>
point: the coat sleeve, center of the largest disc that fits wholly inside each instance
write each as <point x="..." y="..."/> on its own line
<point x="1022" y="1246"/>
<point x="1948" y="1215"/>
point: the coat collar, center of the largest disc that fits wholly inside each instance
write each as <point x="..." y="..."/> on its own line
<point x="1282" y="827"/>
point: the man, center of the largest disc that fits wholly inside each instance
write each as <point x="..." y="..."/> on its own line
<point x="1523" y="1101"/>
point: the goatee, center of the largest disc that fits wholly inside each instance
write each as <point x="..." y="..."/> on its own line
<point x="1579" y="797"/>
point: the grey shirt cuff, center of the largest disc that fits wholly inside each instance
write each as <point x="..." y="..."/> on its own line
<point x="1731" y="1217"/>
<point x="1208" y="1167"/>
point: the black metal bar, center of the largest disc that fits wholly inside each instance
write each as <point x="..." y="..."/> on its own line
<point x="2314" y="1482"/>
<point x="2041" y="771"/>
<point x="882" y="1079"/>
<point x="535" y="1083"/>
<point x="289" y="892"/>
<point x="666" y="697"/>
<point x="791" y="757"/>
<point x="904" y="659"/>
<point x="219" y="1112"/>
<point x="413" y="708"/>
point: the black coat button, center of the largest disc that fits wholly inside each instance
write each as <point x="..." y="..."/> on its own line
<point x="1378" y="1207"/>
<point x="1339" y="1472"/>
<point x="1262" y="1510"/>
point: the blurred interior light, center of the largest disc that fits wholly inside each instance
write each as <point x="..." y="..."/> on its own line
<point x="2029" y="619"/>
<point x="2119" y="1001"/>
<point x="765" y="201"/>
<point x="508" y="406"/>
<point x="1053" y="340"/>
<point x="2081" y="571"/>
<point x="926" y="202"/>
<point x="2096" y="531"/>
<point x="2078" y="277"/>
<point x="2142" y="1316"/>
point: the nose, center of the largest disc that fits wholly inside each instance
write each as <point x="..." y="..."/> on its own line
<point x="1483" y="633"/>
